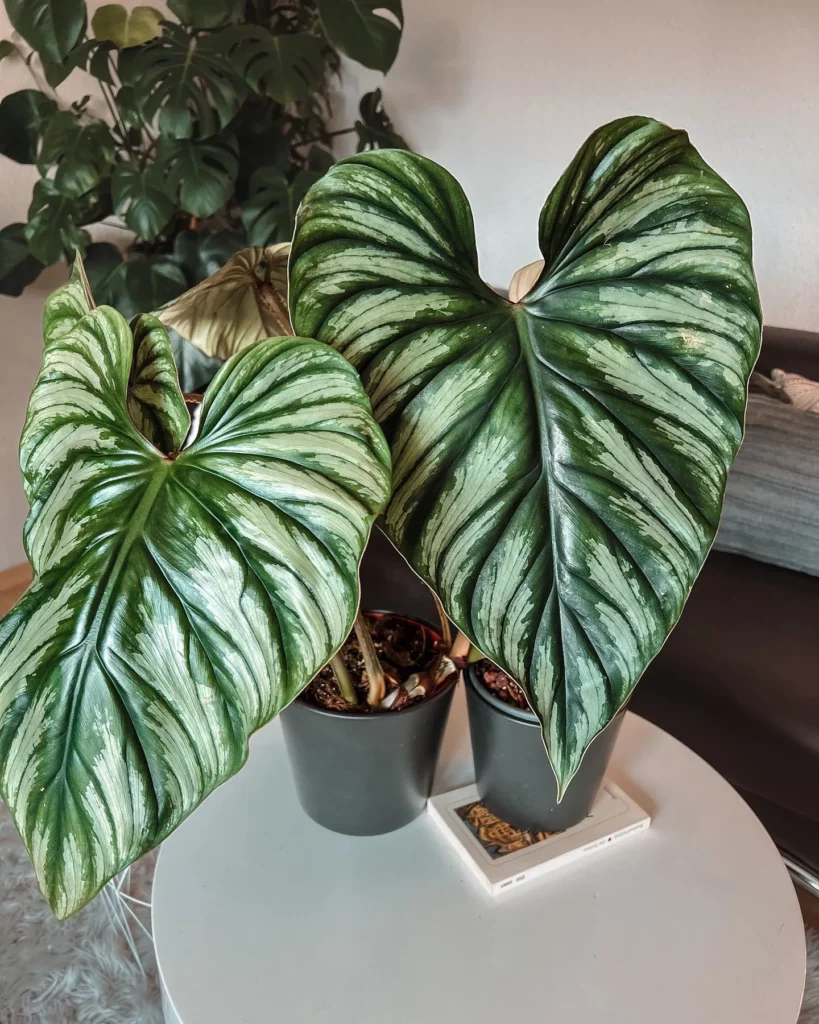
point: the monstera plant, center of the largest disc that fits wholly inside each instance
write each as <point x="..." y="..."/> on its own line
<point x="559" y="461"/>
<point x="188" y="582"/>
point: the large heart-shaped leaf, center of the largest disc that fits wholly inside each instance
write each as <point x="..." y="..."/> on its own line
<point x="179" y="602"/>
<point x="80" y="150"/>
<point x="368" y="31"/>
<point x="202" y="171"/>
<point x="244" y="301"/>
<point x="184" y="81"/>
<point x="559" y="463"/>
<point x="52" y="27"/>
<point x="143" y="197"/>
<point x="23" y="116"/>
<point x="285" y="67"/>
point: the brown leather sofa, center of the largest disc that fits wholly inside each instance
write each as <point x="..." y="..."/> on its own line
<point x="738" y="680"/>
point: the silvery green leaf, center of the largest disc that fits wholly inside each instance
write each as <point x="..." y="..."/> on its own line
<point x="559" y="462"/>
<point x="180" y="600"/>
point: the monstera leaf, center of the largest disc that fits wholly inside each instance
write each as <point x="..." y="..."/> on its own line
<point x="143" y="197"/>
<point x="179" y="601"/>
<point x="559" y="463"/>
<point x="186" y="82"/>
<point x="202" y="171"/>
<point x="269" y="212"/>
<point x="244" y="301"/>
<point x="284" y="67"/>
<point x="368" y="31"/>
<point x="81" y="152"/>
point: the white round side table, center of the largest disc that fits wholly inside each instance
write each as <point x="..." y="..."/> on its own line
<point x="260" y="915"/>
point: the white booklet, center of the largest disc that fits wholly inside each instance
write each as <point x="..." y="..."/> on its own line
<point x="503" y="857"/>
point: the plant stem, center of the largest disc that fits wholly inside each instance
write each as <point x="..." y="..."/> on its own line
<point x="343" y="679"/>
<point x="375" y="673"/>
<point x="443" y="619"/>
<point x="460" y="647"/>
<point x="107" y="95"/>
<point x="329" y="135"/>
<point x="39" y="79"/>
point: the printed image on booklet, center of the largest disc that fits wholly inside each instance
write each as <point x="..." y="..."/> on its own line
<point x="502" y="856"/>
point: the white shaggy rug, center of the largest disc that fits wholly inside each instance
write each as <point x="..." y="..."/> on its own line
<point x="80" y="971"/>
<point x="84" y="972"/>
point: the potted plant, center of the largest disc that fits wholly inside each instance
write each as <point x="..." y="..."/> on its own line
<point x="559" y="456"/>
<point x="203" y="128"/>
<point x="559" y="461"/>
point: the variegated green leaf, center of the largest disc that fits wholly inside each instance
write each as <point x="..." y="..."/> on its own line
<point x="559" y="463"/>
<point x="178" y="602"/>
<point x="244" y="301"/>
<point x="66" y="306"/>
<point x="155" y="403"/>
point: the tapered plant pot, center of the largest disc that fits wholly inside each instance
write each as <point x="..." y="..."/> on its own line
<point x="366" y="774"/>
<point x="512" y="771"/>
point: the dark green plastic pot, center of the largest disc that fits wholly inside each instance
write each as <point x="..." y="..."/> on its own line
<point x="365" y="774"/>
<point x="512" y="772"/>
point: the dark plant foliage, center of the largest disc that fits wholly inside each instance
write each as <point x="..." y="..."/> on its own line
<point x="217" y="123"/>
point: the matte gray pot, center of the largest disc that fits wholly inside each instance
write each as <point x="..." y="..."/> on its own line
<point x="365" y="774"/>
<point x="512" y="771"/>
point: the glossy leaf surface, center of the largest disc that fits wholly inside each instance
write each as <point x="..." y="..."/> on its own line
<point x="559" y="463"/>
<point x="52" y="27"/>
<point x="178" y="603"/>
<point x="368" y="31"/>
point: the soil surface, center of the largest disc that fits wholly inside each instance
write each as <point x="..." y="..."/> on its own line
<point x="411" y="655"/>
<point x="501" y="685"/>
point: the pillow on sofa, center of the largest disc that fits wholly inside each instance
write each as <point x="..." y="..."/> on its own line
<point x="771" y="510"/>
<point x="802" y="392"/>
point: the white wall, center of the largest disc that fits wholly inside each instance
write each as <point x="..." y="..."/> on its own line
<point x="502" y="92"/>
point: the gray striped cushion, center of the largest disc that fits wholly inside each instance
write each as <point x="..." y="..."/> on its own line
<point x="771" y="510"/>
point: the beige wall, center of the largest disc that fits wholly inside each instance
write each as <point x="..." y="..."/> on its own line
<point x="503" y="91"/>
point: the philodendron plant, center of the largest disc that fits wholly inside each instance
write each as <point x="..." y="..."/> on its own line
<point x="559" y="461"/>
<point x="188" y="581"/>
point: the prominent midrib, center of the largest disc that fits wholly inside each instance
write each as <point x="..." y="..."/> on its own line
<point x="533" y="366"/>
<point x="143" y="509"/>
